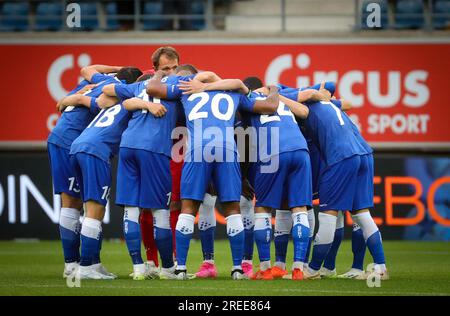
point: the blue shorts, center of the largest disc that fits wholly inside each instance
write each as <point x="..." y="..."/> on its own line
<point x="347" y="185"/>
<point x="94" y="176"/>
<point x="226" y="177"/>
<point x="64" y="180"/>
<point x="290" y="183"/>
<point x="143" y="179"/>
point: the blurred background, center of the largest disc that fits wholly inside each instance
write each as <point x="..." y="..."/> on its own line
<point x="391" y="59"/>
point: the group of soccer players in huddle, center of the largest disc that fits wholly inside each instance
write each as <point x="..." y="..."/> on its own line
<point x="176" y="132"/>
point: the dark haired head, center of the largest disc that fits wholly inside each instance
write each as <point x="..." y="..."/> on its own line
<point x="129" y="74"/>
<point x="144" y="77"/>
<point x="187" y="68"/>
<point x="253" y="83"/>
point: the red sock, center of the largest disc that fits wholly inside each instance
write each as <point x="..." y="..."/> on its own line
<point x="148" y="238"/>
<point x="173" y="224"/>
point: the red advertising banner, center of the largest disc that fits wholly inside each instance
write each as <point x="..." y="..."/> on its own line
<point x="398" y="90"/>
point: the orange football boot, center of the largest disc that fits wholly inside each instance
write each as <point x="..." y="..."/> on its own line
<point x="278" y="273"/>
<point x="263" y="275"/>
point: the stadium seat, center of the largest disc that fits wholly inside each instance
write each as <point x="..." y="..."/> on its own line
<point x="198" y="7"/>
<point x="409" y="14"/>
<point x="49" y="16"/>
<point x="384" y="13"/>
<point x="89" y="19"/>
<point x="441" y="14"/>
<point x="112" y="22"/>
<point x="14" y="16"/>
<point x="153" y="23"/>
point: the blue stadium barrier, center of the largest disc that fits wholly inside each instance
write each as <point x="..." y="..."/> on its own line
<point x="49" y="16"/>
<point x="150" y="23"/>
<point x="409" y="14"/>
<point x="441" y="14"/>
<point x="14" y="16"/>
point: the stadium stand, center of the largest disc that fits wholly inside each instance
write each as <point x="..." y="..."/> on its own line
<point x="49" y="16"/>
<point x="14" y="16"/>
<point x="302" y="16"/>
<point x="409" y="14"/>
<point x="441" y="14"/>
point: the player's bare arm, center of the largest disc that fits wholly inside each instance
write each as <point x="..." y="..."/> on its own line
<point x="86" y="88"/>
<point x="268" y="105"/>
<point x="103" y="101"/>
<point x="133" y="104"/>
<point x="346" y="105"/>
<point x="207" y="76"/>
<point x="88" y="71"/>
<point x="300" y="110"/>
<point x="195" y="86"/>
<point x="156" y="88"/>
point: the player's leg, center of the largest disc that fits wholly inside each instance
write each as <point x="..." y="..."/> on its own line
<point x="248" y="218"/>
<point x="283" y="228"/>
<point x="269" y="194"/>
<point x="64" y="183"/>
<point x="95" y="181"/>
<point x="227" y="181"/>
<point x="299" y="196"/>
<point x="207" y="229"/>
<point x="329" y="266"/>
<point x="175" y="200"/>
<point x="235" y="232"/>
<point x="158" y="198"/>
<point x="146" y="220"/>
<point x="148" y="238"/>
<point x="359" y="250"/>
<point x="361" y="215"/>
<point x="127" y="194"/>
<point x="336" y="189"/>
<point x="312" y="226"/>
<point x="195" y="179"/>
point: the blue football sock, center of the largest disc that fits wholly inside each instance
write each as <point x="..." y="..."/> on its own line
<point x="375" y="246"/>
<point x="323" y="240"/>
<point x="90" y="239"/>
<point x="371" y="235"/>
<point x="263" y="234"/>
<point x="235" y="232"/>
<point x="69" y="231"/>
<point x="132" y="234"/>
<point x="300" y="236"/>
<point x="183" y="235"/>
<point x="330" y="259"/>
<point x="207" y="241"/>
<point x="281" y="244"/>
<point x="358" y="248"/>
<point x="96" y="257"/>
<point x="163" y="240"/>
<point x="249" y="241"/>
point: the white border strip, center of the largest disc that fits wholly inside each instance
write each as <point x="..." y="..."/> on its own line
<point x="394" y="146"/>
<point x="222" y="41"/>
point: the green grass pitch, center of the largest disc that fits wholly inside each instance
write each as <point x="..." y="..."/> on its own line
<point x="416" y="268"/>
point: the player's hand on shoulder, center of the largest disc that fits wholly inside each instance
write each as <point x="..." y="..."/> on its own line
<point x="192" y="86"/>
<point x="157" y="109"/>
<point x="325" y="94"/>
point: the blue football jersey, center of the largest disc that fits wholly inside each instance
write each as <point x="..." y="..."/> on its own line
<point x="332" y="131"/>
<point x="74" y="119"/>
<point x="210" y="115"/>
<point x="276" y="133"/>
<point x="101" y="138"/>
<point x="144" y="130"/>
